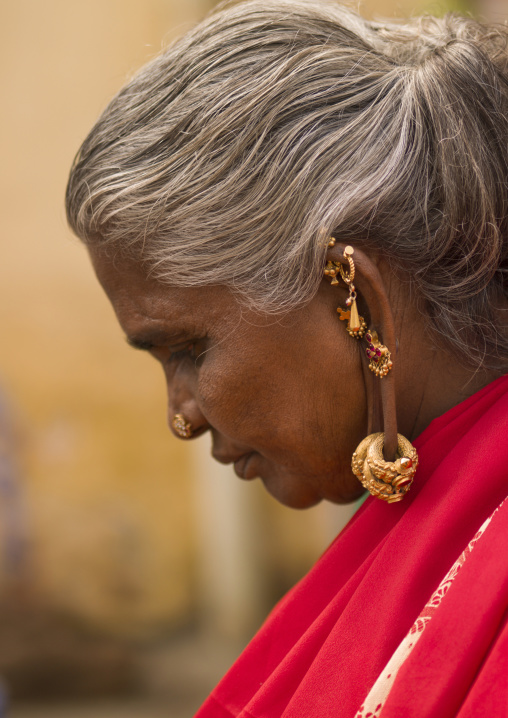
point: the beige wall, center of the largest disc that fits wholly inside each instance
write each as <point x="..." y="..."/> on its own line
<point x="107" y="490"/>
<point x="110" y="496"/>
<point x="115" y="512"/>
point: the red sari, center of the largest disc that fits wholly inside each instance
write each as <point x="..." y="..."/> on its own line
<point x="406" y="614"/>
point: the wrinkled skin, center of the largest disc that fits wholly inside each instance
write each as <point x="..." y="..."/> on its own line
<point x="290" y="392"/>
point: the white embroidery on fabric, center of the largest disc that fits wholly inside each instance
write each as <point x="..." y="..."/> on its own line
<point x="373" y="704"/>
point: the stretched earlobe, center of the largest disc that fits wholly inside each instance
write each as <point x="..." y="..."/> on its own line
<point x="384" y="462"/>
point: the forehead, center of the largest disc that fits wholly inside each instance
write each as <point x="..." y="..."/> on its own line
<point x="141" y="302"/>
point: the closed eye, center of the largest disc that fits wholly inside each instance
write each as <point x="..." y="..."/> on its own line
<point x="160" y="348"/>
<point x="194" y="351"/>
<point x="188" y="351"/>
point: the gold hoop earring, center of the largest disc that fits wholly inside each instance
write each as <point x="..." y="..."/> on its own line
<point x="387" y="480"/>
<point x="181" y="426"/>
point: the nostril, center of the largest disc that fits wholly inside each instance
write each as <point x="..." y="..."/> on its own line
<point x="221" y="458"/>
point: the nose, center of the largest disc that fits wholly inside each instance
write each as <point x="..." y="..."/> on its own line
<point x="222" y="457"/>
<point x="225" y="450"/>
<point x="184" y="416"/>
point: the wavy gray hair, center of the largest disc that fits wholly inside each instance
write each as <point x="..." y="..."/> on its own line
<point x="232" y="156"/>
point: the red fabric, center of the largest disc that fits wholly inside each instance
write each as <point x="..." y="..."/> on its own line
<point x="323" y="647"/>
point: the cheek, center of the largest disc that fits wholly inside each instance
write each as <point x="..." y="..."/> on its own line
<point x="248" y="394"/>
<point x="280" y="408"/>
<point x="303" y="408"/>
<point x="233" y="396"/>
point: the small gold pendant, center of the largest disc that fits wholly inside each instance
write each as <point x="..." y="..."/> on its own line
<point x="354" y="319"/>
<point x="380" y="361"/>
<point x="345" y="316"/>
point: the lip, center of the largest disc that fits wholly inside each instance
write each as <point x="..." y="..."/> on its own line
<point x="242" y="464"/>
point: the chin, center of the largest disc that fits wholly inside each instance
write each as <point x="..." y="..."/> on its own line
<point x="290" y="491"/>
<point x="298" y="492"/>
<point x="292" y="499"/>
<point x="350" y="498"/>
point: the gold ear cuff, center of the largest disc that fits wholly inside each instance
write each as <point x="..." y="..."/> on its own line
<point x="379" y="356"/>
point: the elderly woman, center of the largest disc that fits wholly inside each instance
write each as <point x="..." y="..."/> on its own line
<point x="303" y="216"/>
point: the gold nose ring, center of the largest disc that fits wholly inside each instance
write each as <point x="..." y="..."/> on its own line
<point x="182" y="427"/>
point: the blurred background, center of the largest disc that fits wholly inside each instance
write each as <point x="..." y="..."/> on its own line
<point x="132" y="568"/>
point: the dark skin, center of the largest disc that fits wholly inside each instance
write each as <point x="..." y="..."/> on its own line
<point x="289" y="398"/>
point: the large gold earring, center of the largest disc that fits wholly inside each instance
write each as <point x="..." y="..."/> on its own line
<point x="388" y="480"/>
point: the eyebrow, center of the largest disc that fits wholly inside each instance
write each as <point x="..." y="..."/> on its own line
<point x="148" y="340"/>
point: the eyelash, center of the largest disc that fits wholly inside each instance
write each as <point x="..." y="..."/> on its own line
<point x="189" y="351"/>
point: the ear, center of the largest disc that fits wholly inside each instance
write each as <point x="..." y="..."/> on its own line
<point x="374" y="303"/>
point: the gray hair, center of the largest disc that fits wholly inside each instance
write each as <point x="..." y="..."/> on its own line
<point x="232" y="156"/>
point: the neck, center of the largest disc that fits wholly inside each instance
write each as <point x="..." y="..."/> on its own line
<point x="441" y="383"/>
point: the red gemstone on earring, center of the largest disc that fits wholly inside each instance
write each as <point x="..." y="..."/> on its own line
<point x="404" y="482"/>
<point x="368" y="337"/>
<point x="378" y="352"/>
<point x="368" y="352"/>
<point x="376" y="358"/>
